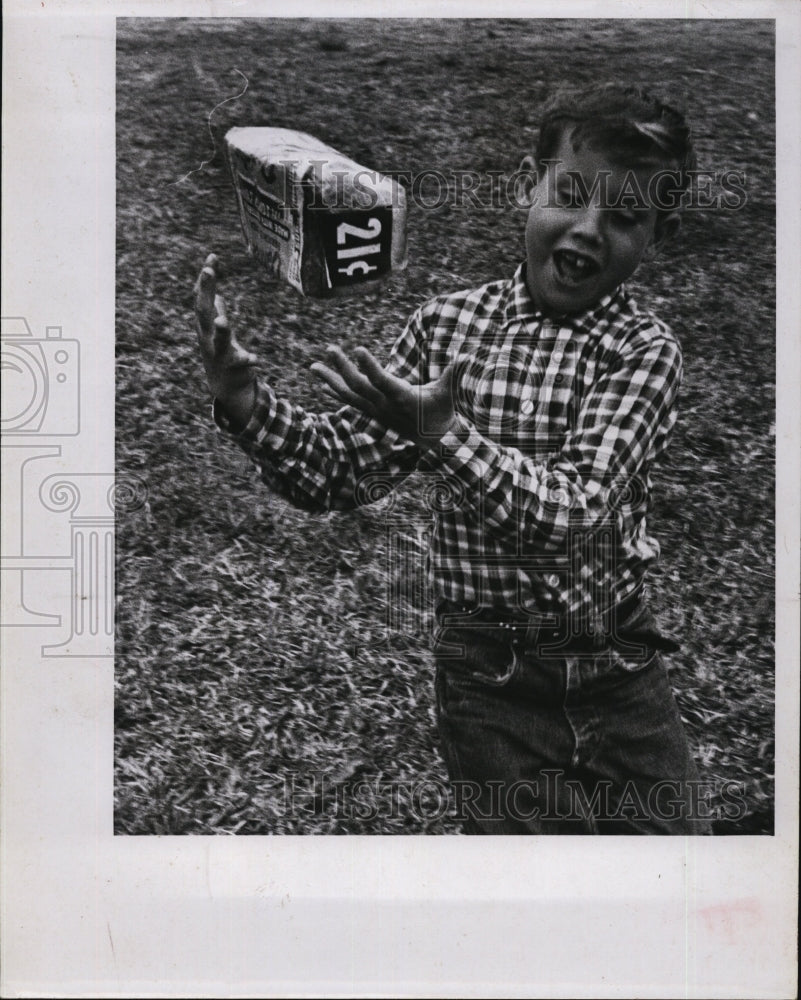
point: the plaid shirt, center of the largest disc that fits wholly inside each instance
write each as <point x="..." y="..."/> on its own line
<point x="540" y="491"/>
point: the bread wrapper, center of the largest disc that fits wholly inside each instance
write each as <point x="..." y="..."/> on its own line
<point x="314" y="217"/>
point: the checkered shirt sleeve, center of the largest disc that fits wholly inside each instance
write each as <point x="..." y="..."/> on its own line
<point x="559" y="423"/>
<point x="324" y="461"/>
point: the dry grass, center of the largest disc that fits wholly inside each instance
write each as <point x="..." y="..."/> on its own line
<point x="237" y="615"/>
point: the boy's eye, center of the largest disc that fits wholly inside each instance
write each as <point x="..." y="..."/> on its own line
<point x="629" y="217"/>
<point x="567" y="197"/>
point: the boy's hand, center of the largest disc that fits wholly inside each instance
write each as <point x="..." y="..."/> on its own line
<point x="419" y="413"/>
<point x="229" y="367"/>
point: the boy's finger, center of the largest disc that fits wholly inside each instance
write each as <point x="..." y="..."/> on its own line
<point x="357" y="382"/>
<point x="238" y="356"/>
<point x="372" y="369"/>
<point x="340" y="387"/>
<point x="219" y="308"/>
<point x="222" y="335"/>
<point x="448" y="378"/>
<point x="207" y="281"/>
<point x="246" y="358"/>
<point x="333" y="379"/>
<point x="204" y="300"/>
<point x="214" y="262"/>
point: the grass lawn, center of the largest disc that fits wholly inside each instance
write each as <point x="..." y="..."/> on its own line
<point x="239" y="617"/>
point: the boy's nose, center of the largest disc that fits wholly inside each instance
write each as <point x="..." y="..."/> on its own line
<point x="589" y="224"/>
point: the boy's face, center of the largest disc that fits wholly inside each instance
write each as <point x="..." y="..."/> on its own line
<point x="579" y="249"/>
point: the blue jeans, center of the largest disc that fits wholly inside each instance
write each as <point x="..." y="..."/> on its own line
<point x="551" y="741"/>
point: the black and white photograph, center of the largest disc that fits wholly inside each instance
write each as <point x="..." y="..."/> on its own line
<point x="478" y="536"/>
<point x="401" y="499"/>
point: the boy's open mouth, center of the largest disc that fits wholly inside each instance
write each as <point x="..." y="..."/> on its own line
<point x="574" y="267"/>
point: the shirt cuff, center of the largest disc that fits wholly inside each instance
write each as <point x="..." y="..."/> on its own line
<point x="261" y="416"/>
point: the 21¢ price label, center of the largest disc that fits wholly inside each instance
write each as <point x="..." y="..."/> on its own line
<point x="357" y="245"/>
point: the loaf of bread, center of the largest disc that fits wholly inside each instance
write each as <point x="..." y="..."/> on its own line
<point x="312" y="216"/>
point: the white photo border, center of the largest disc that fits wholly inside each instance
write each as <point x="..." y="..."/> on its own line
<point x="88" y="914"/>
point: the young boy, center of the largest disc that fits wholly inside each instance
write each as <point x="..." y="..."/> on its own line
<point x="542" y="401"/>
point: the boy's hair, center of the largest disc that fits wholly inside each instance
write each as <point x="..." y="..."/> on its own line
<point x="632" y="127"/>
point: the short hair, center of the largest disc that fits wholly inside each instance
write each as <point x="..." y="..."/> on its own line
<point x="631" y="126"/>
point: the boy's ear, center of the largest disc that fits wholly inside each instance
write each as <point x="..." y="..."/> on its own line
<point x="666" y="228"/>
<point x="526" y="180"/>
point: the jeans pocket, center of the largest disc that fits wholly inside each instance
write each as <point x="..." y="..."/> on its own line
<point x="632" y="659"/>
<point x="465" y="653"/>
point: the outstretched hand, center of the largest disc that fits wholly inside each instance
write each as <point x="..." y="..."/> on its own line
<point x="419" y="413"/>
<point x="229" y="367"/>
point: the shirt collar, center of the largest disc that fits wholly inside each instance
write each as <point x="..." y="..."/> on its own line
<point x="520" y="306"/>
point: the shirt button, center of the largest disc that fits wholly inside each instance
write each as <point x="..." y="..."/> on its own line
<point x="558" y="357"/>
<point x="557" y="378"/>
<point x="527" y="407"/>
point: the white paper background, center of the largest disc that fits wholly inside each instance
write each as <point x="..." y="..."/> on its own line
<point x="84" y="913"/>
